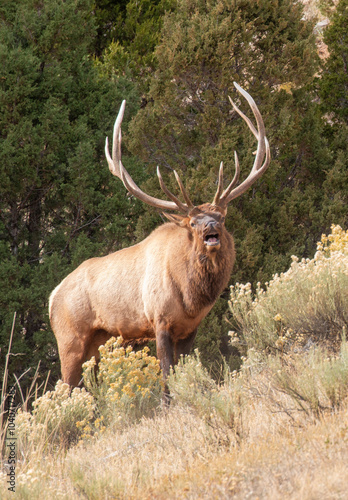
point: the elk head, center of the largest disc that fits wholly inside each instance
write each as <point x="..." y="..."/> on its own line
<point x="205" y="222"/>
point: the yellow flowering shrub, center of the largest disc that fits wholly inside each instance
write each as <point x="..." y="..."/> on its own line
<point x="310" y="300"/>
<point x="127" y="383"/>
<point x="56" y="417"/>
<point x="336" y="241"/>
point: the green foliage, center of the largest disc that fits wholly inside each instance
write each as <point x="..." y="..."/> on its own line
<point x="219" y="405"/>
<point x="109" y="17"/>
<point x="333" y="89"/>
<point x="204" y="47"/>
<point x="213" y="342"/>
<point x="135" y="34"/>
<point x="334" y="78"/>
<point x="326" y="7"/>
<point x="127" y="384"/>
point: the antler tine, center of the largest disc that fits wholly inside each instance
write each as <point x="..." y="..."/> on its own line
<point x="117" y="135"/>
<point x="219" y="195"/>
<point x="245" y="118"/>
<point x="183" y="191"/>
<point x="117" y="169"/>
<point x="183" y="208"/>
<point x="235" y="178"/>
<point x="220" y="184"/>
<point x="262" y="150"/>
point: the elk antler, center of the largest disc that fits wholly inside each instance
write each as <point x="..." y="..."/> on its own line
<point x="222" y="199"/>
<point x="116" y="168"/>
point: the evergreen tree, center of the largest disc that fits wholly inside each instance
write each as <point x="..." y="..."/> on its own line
<point x="334" y="78"/>
<point x="58" y="202"/>
<point x="333" y="92"/>
<point x="131" y="51"/>
<point x="109" y="17"/>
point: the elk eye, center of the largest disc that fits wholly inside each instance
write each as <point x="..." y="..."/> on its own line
<point x="192" y="224"/>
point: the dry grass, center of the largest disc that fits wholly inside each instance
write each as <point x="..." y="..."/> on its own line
<point x="176" y="455"/>
<point x="306" y="464"/>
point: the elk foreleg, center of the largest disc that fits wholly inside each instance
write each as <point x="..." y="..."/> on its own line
<point x="183" y="347"/>
<point x="165" y="353"/>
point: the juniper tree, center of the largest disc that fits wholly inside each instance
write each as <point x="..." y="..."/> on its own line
<point x="333" y="92"/>
<point x="135" y="35"/>
<point x="334" y="78"/>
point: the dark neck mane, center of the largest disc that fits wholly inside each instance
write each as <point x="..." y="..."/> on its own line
<point x="207" y="277"/>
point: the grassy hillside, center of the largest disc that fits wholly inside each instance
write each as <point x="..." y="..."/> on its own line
<point x="177" y="455"/>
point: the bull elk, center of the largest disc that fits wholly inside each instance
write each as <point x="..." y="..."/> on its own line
<point x="162" y="287"/>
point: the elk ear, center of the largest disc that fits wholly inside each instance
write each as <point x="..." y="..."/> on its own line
<point x="179" y="220"/>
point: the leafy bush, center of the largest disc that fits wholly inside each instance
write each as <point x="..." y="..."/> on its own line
<point x="127" y="385"/>
<point x="309" y="300"/>
<point x="56" y="417"/>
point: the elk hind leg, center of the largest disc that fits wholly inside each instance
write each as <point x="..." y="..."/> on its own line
<point x="72" y="356"/>
<point x="77" y="352"/>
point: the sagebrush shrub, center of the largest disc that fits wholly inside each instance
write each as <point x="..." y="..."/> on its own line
<point x="336" y="241"/>
<point x="309" y="300"/>
<point x="56" y="417"/>
<point x="218" y="404"/>
<point x="315" y="380"/>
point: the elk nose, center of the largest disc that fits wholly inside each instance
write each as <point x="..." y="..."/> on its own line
<point x="212" y="224"/>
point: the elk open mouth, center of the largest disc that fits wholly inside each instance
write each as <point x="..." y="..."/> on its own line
<point x="212" y="240"/>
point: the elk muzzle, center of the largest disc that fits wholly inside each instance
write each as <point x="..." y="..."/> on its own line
<point x="212" y="233"/>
